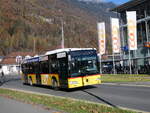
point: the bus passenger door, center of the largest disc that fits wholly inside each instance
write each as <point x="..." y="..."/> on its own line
<point x="38" y="78"/>
<point x="63" y="70"/>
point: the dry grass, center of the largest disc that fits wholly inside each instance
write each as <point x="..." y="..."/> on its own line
<point x="125" y="78"/>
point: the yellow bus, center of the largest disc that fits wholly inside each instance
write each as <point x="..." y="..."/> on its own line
<point x="63" y="68"/>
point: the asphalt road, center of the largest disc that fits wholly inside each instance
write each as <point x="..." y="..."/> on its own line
<point x="125" y="96"/>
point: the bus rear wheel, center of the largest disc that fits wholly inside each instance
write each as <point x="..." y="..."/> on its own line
<point x="54" y="84"/>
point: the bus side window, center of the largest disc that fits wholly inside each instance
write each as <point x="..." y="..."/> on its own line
<point x="44" y="67"/>
<point x="31" y="68"/>
<point x="23" y="68"/>
<point x="27" y="68"/>
<point x="35" y="67"/>
<point x="54" y="67"/>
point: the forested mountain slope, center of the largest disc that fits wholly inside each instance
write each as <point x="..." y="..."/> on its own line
<point x="35" y="25"/>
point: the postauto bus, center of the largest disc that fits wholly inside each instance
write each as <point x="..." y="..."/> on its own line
<point x="63" y="68"/>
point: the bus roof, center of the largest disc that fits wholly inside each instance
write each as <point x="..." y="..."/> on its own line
<point x="44" y="57"/>
<point x="66" y="50"/>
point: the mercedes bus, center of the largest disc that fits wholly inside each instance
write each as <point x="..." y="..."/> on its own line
<point x="63" y="68"/>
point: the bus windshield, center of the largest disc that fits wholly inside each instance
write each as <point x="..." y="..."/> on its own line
<point x="82" y="64"/>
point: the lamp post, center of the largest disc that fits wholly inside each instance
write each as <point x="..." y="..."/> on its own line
<point x="62" y="34"/>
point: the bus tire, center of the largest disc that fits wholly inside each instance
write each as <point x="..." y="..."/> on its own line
<point x="30" y="81"/>
<point x="54" y="84"/>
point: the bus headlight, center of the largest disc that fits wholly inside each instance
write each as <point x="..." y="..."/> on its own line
<point x="73" y="82"/>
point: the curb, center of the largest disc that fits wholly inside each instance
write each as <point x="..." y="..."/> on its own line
<point x="32" y="92"/>
<point x="126" y="84"/>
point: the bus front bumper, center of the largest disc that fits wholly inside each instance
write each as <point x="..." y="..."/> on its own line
<point x="84" y="81"/>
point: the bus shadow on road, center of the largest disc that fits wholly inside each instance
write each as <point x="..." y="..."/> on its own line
<point x="101" y="99"/>
<point x="78" y="89"/>
<point x="65" y="89"/>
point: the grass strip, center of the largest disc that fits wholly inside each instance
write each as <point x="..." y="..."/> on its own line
<point x="125" y="78"/>
<point x="63" y="104"/>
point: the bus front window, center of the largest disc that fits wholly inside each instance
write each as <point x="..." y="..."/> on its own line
<point x="85" y="65"/>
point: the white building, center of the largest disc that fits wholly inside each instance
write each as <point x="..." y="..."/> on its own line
<point x="10" y="65"/>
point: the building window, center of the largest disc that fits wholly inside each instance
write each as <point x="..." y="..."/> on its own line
<point x="123" y="18"/>
<point x="148" y="9"/>
<point x="141" y="33"/>
<point x="125" y="34"/>
<point x="140" y="13"/>
<point x="148" y="30"/>
<point x="148" y="12"/>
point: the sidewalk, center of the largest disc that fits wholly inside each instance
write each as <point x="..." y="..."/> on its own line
<point x="140" y="84"/>
<point x="13" y="106"/>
